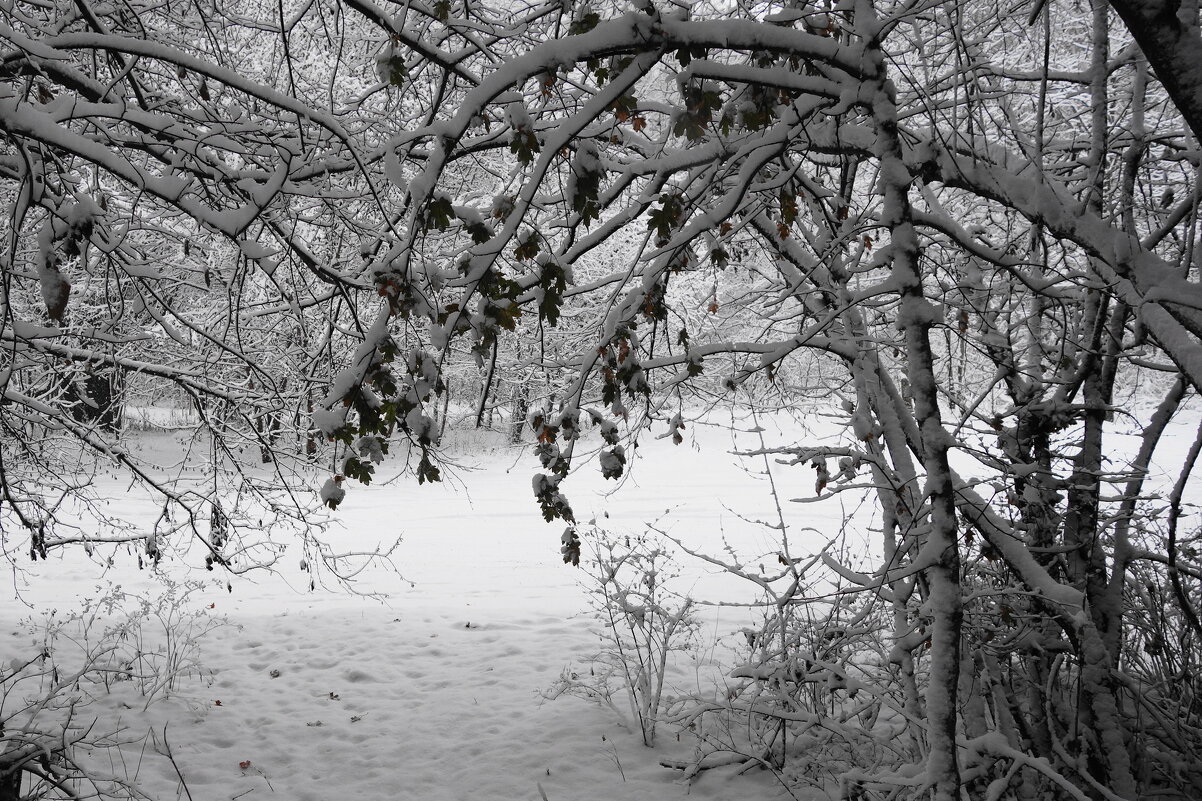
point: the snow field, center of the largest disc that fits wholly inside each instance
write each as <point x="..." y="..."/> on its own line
<point x="372" y="706"/>
<point x="436" y="691"/>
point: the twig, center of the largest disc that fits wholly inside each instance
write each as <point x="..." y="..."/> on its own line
<point x="171" y="758"/>
<point x="264" y="775"/>
<point x="613" y="755"/>
<point x="693" y="768"/>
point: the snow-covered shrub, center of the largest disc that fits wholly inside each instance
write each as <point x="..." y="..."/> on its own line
<point x="48" y="743"/>
<point x="643" y="622"/>
<point x="117" y="642"/>
<point x="809" y="693"/>
<point x="826" y="690"/>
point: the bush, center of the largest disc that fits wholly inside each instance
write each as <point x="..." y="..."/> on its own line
<point x="643" y="622"/>
<point x="51" y="742"/>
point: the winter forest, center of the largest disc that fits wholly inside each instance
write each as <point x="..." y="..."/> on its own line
<point x="600" y="400"/>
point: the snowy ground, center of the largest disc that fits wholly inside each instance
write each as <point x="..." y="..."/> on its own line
<point x="435" y="692"/>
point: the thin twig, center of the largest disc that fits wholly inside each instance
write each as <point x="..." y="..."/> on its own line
<point x="171" y="758"/>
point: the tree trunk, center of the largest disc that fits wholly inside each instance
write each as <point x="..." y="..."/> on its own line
<point x="10" y="785"/>
<point x="521" y="406"/>
<point x="915" y="317"/>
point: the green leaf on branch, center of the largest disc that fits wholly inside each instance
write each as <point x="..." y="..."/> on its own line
<point x="700" y="106"/>
<point x="664" y="220"/>
<point x="528" y="248"/>
<point x="383" y="381"/>
<point x="397" y="71"/>
<point x="788" y="206"/>
<point x="609" y="388"/>
<point x="613" y="462"/>
<point x="427" y="471"/>
<point x="554" y="283"/>
<point x="551" y="500"/>
<point x="506" y="316"/>
<point x="524" y="144"/>
<point x="479" y="232"/>
<point x="439" y="213"/>
<point x="689" y="52"/>
<point x="625" y="108"/>
<point x="584" y="23"/>
<point x="655" y="306"/>
<point x="570" y="547"/>
<point x="587" y="189"/>
<point x="358" y="469"/>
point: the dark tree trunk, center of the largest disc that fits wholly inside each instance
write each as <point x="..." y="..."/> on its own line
<point x="10" y="778"/>
<point x="10" y="787"/>
<point x="521" y="406"/>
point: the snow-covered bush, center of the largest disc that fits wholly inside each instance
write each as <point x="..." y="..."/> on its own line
<point x="50" y="743"/>
<point x="826" y="686"/>
<point x="644" y="621"/>
<point x="807" y="699"/>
